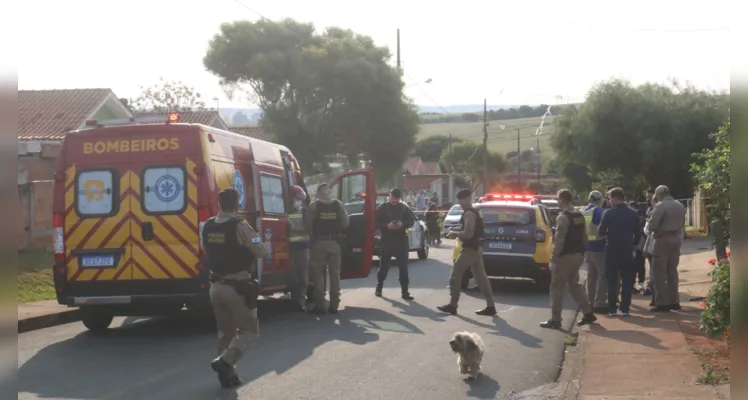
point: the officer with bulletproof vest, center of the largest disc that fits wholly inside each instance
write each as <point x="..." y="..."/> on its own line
<point x="298" y="238"/>
<point x="232" y="248"/>
<point x="327" y="220"/>
<point x="567" y="257"/>
<point x="393" y="221"/>
<point x="471" y="234"/>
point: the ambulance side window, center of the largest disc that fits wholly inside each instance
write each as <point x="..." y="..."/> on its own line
<point x="96" y="193"/>
<point x="164" y="190"/>
<point x="272" y="194"/>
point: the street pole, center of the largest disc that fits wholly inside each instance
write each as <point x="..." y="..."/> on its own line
<point x="451" y="170"/>
<point x="485" y="147"/>
<point x="519" y="159"/>
<point x="398" y="50"/>
<point x="538" y="146"/>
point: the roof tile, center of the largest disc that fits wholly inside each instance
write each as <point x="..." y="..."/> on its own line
<point x="432" y="168"/>
<point x="253" y="132"/>
<point x="50" y="114"/>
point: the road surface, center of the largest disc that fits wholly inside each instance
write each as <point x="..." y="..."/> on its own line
<point x="375" y="348"/>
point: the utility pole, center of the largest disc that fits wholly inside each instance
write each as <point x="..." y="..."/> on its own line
<point x="537" y="191"/>
<point x="485" y="147"/>
<point x="451" y="169"/>
<point x="398" y="49"/>
<point x="519" y="162"/>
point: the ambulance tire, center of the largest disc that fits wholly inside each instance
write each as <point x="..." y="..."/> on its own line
<point x="96" y="320"/>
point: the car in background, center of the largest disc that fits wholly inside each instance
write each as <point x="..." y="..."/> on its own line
<point x="452" y="219"/>
<point x="418" y="235"/>
<point x="518" y="241"/>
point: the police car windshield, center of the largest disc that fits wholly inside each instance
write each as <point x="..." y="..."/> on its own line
<point x="504" y="215"/>
<point x="455" y="210"/>
<point x="357" y="207"/>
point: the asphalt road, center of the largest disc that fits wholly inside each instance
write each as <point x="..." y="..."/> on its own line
<point x="375" y="348"/>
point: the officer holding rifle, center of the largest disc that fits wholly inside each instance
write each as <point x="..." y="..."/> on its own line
<point x="232" y="248"/>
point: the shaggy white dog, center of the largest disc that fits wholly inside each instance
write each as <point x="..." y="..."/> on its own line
<point x="469" y="348"/>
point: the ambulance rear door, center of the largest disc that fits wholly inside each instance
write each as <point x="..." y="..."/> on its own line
<point x="357" y="191"/>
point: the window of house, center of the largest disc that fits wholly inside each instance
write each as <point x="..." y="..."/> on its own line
<point x="96" y="192"/>
<point x="272" y="194"/>
<point x="164" y="190"/>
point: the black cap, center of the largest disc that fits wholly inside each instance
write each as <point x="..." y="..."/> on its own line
<point x="464" y="193"/>
<point x="396" y="193"/>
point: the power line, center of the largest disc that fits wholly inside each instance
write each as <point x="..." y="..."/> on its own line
<point x="251" y="9"/>
<point x="418" y="85"/>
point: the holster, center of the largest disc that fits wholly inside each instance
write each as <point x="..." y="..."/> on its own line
<point x="250" y="289"/>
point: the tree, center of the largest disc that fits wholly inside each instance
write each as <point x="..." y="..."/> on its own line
<point x="711" y="172"/>
<point x="431" y="148"/>
<point x="321" y="94"/>
<point x="168" y="96"/>
<point x="240" y="118"/>
<point x="467" y="158"/>
<point x="633" y="130"/>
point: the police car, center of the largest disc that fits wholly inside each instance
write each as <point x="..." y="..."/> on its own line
<point x="452" y="219"/>
<point x="518" y="240"/>
<point x="418" y="235"/>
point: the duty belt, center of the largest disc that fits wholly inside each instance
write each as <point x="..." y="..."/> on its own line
<point x="333" y="237"/>
<point x="215" y="278"/>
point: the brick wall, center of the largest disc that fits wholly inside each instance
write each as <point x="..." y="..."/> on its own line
<point x="35" y="222"/>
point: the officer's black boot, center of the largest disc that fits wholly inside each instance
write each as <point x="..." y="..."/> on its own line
<point x="405" y="293"/>
<point x="224" y="371"/>
<point x="378" y="290"/>
<point x="447" y="308"/>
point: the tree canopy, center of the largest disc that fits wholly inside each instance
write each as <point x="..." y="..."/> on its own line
<point x="168" y="96"/>
<point x="431" y="148"/>
<point x="643" y="133"/>
<point x="467" y="158"/>
<point x="711" y="171"/>
<point x="321" y="94"/>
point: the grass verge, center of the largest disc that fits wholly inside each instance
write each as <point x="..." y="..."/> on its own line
<point x="35" y="282"/>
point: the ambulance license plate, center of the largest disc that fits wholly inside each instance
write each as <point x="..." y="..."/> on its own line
<point x="500" y="245"/>
<point x="97" y="261"/>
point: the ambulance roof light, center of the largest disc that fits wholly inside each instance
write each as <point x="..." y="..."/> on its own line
<point x="167" y="119"/>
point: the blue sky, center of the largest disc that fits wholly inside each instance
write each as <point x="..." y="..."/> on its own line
<point x="510" y="52"/>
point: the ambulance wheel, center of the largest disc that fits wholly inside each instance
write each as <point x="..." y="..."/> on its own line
<point x="96" y="320"/>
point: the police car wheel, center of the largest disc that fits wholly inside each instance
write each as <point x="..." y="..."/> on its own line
<point x="96" y="320"/>
<point x="466" y="279"/>
<point x="423" y="252"/>
<point x="544" y="284"/>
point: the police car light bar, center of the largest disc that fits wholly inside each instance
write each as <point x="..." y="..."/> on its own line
<point x="507" y="196"/>
<point x="167" y="119"/>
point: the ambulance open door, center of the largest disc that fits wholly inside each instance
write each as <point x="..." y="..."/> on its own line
<point x="357" y="191"/>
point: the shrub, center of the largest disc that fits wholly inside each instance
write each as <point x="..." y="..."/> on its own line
<point x="715" y="318"/>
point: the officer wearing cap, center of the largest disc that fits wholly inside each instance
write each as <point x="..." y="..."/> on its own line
<point x="470" y="234"/>
<point x="327" y="220"/>
<point x="232" y="248"/>
<point x="594" y="257"/>
<point x="393" y="221"/>
<point x="666" y="224"/>
<point x="299" y="245"/>
<point x="567" y="256"/>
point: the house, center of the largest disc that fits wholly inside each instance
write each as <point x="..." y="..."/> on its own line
<point x="204" y="117"/>
<point x="45" y="116"/>
<point x="253" y="132"/>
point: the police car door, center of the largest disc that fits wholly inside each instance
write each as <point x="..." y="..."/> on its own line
<point x="358" y="248"/>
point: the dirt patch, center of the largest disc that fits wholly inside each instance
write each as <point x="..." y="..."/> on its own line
<point x="713" y="352"/>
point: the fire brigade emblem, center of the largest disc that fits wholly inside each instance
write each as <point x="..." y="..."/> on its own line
<point x="238" y="184"/>
<point x="167" y="188"/>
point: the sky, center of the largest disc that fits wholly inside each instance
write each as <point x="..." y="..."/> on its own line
<point x="509" y="52"/>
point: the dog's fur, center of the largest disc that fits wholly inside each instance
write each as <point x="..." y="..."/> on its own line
<point x="469" y="348"/>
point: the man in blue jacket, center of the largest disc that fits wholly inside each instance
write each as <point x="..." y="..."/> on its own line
<point x="620" y="227"/>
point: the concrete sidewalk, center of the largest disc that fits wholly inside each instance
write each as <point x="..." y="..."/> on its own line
<point x="646" y="354"/>
<point x="43" y="314"/>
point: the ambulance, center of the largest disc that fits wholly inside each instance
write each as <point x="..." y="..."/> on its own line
<point x="131" y="196"/>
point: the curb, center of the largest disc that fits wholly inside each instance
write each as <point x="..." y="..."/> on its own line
<point x="48" y="320"/>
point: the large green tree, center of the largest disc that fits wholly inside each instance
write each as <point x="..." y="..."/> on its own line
<point x="431" y="148"/>
<point x="649" y="130"/>
<point x="167" y="96"/>
<point x="467" y="158"/>
<point x="321" y="93"/>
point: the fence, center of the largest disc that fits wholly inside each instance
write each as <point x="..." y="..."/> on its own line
<point x="35" y="224"/>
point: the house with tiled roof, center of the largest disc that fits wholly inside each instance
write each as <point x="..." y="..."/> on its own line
<point x="432" y="168"/>
<point x="204" y="117"/>
<point x="45" y="116"/>
<point x="253" y="132"/>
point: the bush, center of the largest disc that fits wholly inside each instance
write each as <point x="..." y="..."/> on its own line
<point x="715" y="318"/>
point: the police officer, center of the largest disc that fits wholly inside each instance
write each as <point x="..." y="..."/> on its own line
<point x="232" y="248"/>
<point x="567" y="256"/>
<point x="667" y="224"/>
<point x="594" y="256"/>
<point x="393" y="220"/>
<point x="621" y="229"/>
<point x="299" y="243"/>
<point x="470" y="233"/>
<point x="327" y="220"/>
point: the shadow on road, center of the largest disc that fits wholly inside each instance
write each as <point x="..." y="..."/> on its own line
<point x="484" y="387"/>
<point x="514" y="292"/>
<point x="415" y="309"/>
<point x="168" y="358"/>
<point x="629" y="336"/>
<point x="501" y="328"/>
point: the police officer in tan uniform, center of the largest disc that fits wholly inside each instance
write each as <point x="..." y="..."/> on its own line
<point x="471" y="256"/>
<point x="232" y="248"/>
<point x="326" y="219"/>
<point x="666" y="224"/>
<point x="567" y="257"/>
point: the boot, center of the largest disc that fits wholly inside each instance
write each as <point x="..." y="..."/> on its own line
<point x="224" y="371"/>
<point x="406" y="293"/>
<point x="378" y="290"/>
